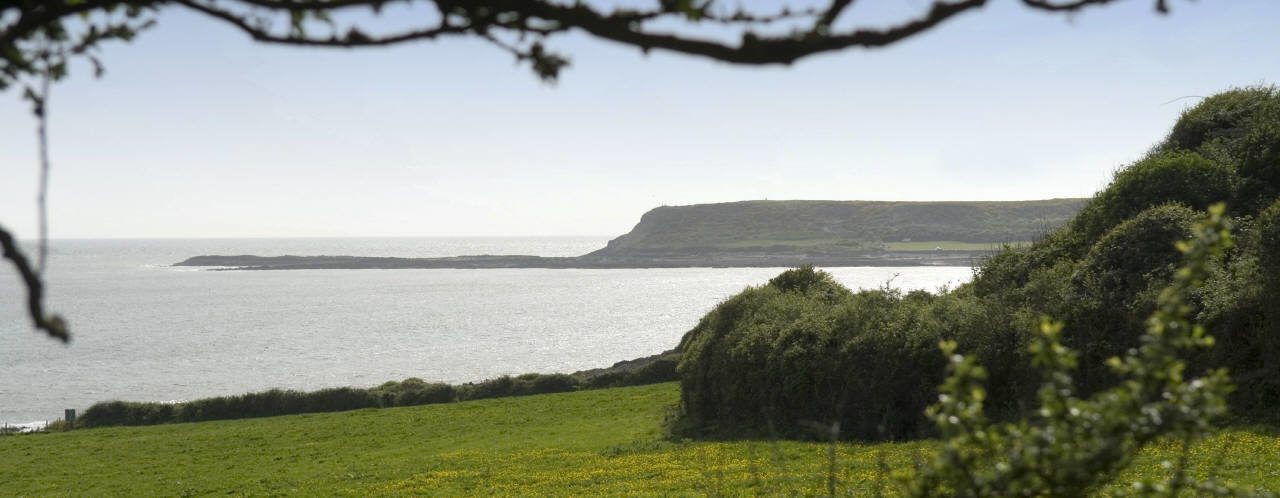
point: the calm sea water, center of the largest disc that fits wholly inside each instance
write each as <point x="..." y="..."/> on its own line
<point x="145" y="331"/>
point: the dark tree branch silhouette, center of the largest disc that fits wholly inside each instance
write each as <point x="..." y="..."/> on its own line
<point x="53" y="325"/>
<point x="39" y="37"/>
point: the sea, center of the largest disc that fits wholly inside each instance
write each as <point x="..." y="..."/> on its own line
<point x="144" y="330"/>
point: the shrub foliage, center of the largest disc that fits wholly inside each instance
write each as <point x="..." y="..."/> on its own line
<point x="409" y="392"/>
<point x="802" y="351"/>
<point x="1070" y="444"/>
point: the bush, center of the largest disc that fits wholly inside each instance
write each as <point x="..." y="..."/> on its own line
<point x="1225" y="118"/>
<point x="1134" y="254"/>
<point x="1004" y="274"/>
<point x="523" y="385"/>
<point x="1073" y="445"/>
<point x="126" y="413"/>
<point x="545" y="384"/>
<point x="1267" y="229"/>
<point x="1105" y="292"/>
<point x="805" y="279"/>
<point x="1166" y="177"/>
<point x="260" y="404"/>
<point x="412" y="392"/>
<point x="273" y="403"/>
<point x="1248" y="312"/>
<point x="803" y="350"/>
<point x="775" y="360"/>
<point x="1259" y="161"/>
<point x="727" y="382"/>
<point x="662" y="369"/>
<point x="1240" y="127"/>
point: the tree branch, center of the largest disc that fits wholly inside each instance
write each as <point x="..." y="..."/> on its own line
<point x="623" y="27"/>
<point x="353" y="38"/>
<point x="53" y="325"/>
<point x="42" y="135"/>
<point x="753" y="49"/>
<point x="832" y="13"/>
<point x="539" y="18"/>
<point x="1070" y="6"/>
<point x="39" y="17"/>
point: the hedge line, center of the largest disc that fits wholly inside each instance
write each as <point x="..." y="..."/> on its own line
<point x="409" y="392"/>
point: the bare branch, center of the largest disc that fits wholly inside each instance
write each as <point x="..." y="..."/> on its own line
<point x="542" y="18"/>
<point x="42" y="195"/>
<point x="831" y="14"/>
<point x="1074" y="5"/>
<point x="352" y="38"/>
<point x="753" y="49"/>
<point x="53" y="325"/>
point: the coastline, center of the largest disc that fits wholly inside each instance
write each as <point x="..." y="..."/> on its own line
<point x="714" y="260"/>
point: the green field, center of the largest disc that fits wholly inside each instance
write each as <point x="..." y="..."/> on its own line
<point x="605" y="442"/>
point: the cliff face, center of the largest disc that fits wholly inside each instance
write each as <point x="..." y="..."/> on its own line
<point x="834" y="227"/>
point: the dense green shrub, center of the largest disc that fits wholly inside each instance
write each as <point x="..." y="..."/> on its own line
<point x="1241" y="128"/>
<point x="1267" y="229"/>
<point x="1224" y="118"/>
<point x="412" y="391"/>
<point x="409" y="392"/>
<point x="806" y="279"/>
<point x="1114" y="282"/>
<point x="251" y="405"/>
<point x="268" y="403"/>
<point x="522" y="385"/>
<point x="662" y="369"/>
<point x="126" y="413"/>
<point x="272" y="403"/>
<point x="1248" y="313"/>
<point x="727" y="383"/>
<point x="1003" y="275"/>
<point x="776" y="358"/>
<point x="1183" y="177"/>
<point x="1134" y="254"/>
<point x="546" y="383"/>
<point x="1259" y="161"/>
<point x="1071" y="445"/>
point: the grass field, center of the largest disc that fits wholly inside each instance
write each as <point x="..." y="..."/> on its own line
<point x="602" y="442"/>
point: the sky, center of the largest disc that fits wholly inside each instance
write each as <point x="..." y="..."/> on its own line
<point x="196" y="131"/>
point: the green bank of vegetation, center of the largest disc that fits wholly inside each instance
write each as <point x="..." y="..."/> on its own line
<point x="838" y="227"/>
<point x="409" y="392"/>
<point x="803" y="348"/>
<point x="602" y="442"/>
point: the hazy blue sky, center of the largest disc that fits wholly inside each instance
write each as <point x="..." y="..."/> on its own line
<point x="197" y="132"/>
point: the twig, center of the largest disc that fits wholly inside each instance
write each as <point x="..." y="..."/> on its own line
<point x="42" y="196"/>
<point x="1183" y="97"/>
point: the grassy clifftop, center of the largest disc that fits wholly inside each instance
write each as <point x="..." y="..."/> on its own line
<point x="837" y="226"/>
